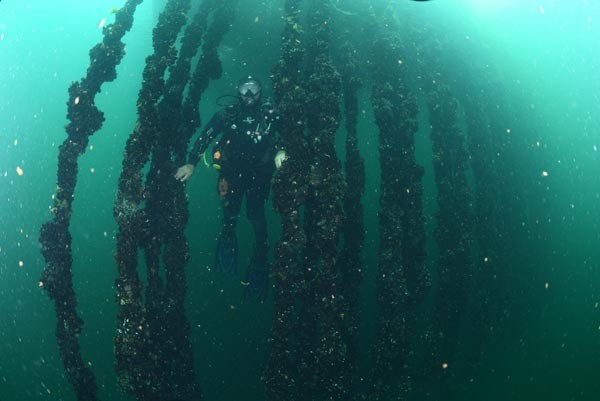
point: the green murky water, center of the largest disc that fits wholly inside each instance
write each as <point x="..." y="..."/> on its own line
<point x="541" y="56"/>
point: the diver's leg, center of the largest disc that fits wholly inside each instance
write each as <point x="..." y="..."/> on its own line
<point x="256" y="197"/>
<point x="231" y="201"/>
<point x="257" y="276"/>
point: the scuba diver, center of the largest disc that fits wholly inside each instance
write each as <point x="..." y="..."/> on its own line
<point x="245" y="156"/>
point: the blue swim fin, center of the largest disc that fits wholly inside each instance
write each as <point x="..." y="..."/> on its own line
<point x="226" y="255"/>
<point x="256" y="284"/>
<point x="257" y="274"/>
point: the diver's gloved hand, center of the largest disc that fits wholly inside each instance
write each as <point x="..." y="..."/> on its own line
<point x="280" y="157"/>
<point x="184" y="172"/>
<point x="256" y="286"/>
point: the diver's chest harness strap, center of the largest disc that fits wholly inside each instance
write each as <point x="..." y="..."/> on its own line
<point x="256" y="129"/>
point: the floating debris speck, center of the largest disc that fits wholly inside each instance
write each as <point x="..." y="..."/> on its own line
<point x="544" y="174"/>
<point x="19" y="170"/>
<point x="102" y="23"/>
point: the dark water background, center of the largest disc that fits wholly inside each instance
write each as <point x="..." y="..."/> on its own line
<point x="544" y="58"/>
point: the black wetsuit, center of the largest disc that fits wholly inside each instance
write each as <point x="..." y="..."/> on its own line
<point x="245" y="157"/>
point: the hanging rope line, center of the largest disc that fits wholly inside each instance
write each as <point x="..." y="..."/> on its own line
<point x="84" y="120"/>
<point x="402" y="280"/>
<point x="308" y="351"/>
<point x="137" y="352"/>
<point x="350" y="263"/>
<point x="323" y="350"/>
<point x="455" y="219"/>
<point x="289" y="195"/>
<point x="154" y="354"/>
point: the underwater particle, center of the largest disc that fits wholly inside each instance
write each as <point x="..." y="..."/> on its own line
<point x="16" y="142"/>
<point x="508" y="130"/>
<point x="542" y="11"/>
<point x="537" y="144"/>
<point x="256" y="19"/>
<point x="92" y="170"/>
<point x="19" y="171"/>
<point x="544" y="174"/>
<point x="21" y="264"/>
<point x="76" y="101"/>
<point x="400" y="62"/>
<point x="546" y="285"/>
<point x="40" y="283"/>
<point x="444" y="365"/>
<point x="102" y="23"/>
<point x="486" y="259"/>
<point x="1" y="36"/>
<point x="595" y="148"/>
